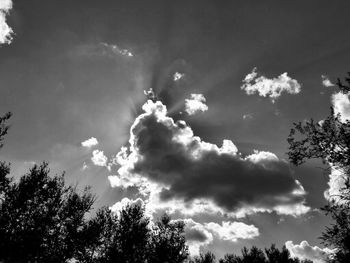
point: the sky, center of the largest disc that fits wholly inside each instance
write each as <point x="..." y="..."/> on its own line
<point x="184" y="106"/>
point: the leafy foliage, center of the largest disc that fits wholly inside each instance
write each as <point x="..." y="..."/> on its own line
<point x="168" y="241"/>
<point x="204" y="258"/>
<point x="41" y="218"/>
<point x="330" y="142"/>
<point x="4" y="127"/>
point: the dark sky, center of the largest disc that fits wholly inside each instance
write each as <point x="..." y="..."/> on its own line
<point x="79" y="69"/>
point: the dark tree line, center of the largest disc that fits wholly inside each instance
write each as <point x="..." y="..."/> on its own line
<point x="253" y="255"/>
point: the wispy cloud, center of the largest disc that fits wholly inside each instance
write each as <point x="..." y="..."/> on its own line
<point x="6" y="31"/>
<point x="101" y="49"/>
<point x="326" y="81"/>
<point x="270" y="87"/>
<point x="117" y="50"/>
<point x="195" y="104"/>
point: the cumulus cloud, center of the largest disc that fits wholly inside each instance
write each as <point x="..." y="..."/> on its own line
<point x="341" y="105"/>
<point x="98" y="158"/>
<point x="326" y="81"/>
<point x="267" y="87"/>
<point x="197" y="236"/>
<point x="195" y="104"/>
<point x="6" y="32"/>
<point x="233" y="231"/>
<point x="89" y="142"/>
<point x="177" y="170"/>
<point x="305" y="251"/>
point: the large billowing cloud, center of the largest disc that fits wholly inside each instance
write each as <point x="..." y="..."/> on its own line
<point x="5" y="31"/>
<point x="267" y="87"/>
<point x="305" y="251"/>
<point x="177" y="170"/>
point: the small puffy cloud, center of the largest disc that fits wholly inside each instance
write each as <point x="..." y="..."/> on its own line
<point x="6" y="32"/>
<point x="305" y="251"/>
<point x="89" y="142"/>
<point x="98" y="158"/>
<point x="267" y="87"/>
<point x="195" y="104"/>
<point x="326" y="81"/>
<point x="174" y="169"/>
<point x="232" y="231"/>
<point x="177" y="76"/>
<point x="341" y="105"/>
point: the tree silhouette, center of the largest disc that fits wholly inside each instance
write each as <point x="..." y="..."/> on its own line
<point x="256" y="255"/>
<point x="4" y="126"/>
<point x="130" y="241"/>
<point x="41" y="219"/>
<point x="329" y="141"/>
<point x="168" y="243"/>
<point x="4" y="168"/>
<point x="204" y="258"/>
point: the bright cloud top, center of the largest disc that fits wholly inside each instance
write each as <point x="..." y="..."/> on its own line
<point x="305" y="251"/>
<point x="89" y="142"/>
<point x="177" y="170"/>
<point x="6" y="32"/>
<point x="326" y="81"/>
<point x="195" y="104"/>
<point x="98" y="158"/>
<point x="272" y="88"/>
